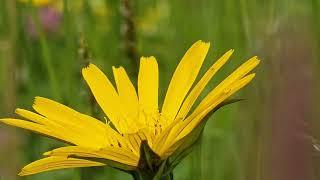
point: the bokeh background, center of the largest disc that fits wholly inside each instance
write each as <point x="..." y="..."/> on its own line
<point x="272" y="135"/>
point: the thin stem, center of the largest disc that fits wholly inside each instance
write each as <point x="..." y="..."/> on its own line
<point x="70" y="57"/>
<point x="244" y="10"/>
<point x="128" y="32"/>
<point x="85" y="59"/>
<point x="46" y="57"/>
<point x="143" y="175"/>
<point x="10" y="63"/>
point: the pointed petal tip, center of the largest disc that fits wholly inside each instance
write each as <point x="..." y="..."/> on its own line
<point x="49" y="153"/>
<point x="251" y="76"/>
<point x="18" y="110"/>
<point x="254" y="61"/>
<point x="114" y="69"/>
<point x="256" y="58"/>
<point x="4" y="120"/>
<point x="23" y="172"/>
<point x="229" y="53"/>
<point x="7" y="120"/>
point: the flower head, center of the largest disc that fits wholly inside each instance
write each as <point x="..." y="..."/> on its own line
<point x="50" y="21"/>
<point x="136" y="126"/>
<point x="38" y="3"/>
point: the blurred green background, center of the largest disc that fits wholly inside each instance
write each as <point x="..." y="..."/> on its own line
<point x="271" y="135"/>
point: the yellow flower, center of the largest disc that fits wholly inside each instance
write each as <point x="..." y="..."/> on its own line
<point x="99" y="7"/>
<point x="135" y="115"/>
<point x="38" y="3"/>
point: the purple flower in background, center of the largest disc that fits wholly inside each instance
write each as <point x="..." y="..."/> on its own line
<point x="49" y="21"/>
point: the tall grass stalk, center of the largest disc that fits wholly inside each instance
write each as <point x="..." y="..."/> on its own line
<point x="315" y="8"/>
<point x="46" y="54"/>
<point x="315" y="4"/>
<point x="128" y="32"/>
<point x="70" y="34"/>
<point x="10" y="68"/>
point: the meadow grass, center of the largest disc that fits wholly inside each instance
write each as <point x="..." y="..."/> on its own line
<point x="235" y="141"/>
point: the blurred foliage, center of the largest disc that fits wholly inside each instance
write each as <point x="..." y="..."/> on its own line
<point x="39" y="56"/>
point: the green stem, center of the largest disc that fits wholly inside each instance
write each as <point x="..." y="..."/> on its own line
<point x="46" y="57"/>
<point x="69" y="33"/>
<point x="129" y="37"/>
<point x="143" y="175"/>
<point x="10" y="83"/>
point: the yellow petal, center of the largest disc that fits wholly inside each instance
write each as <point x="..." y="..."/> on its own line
<point x="81" y="129"/>
<point x="54" y="163"/>
<point x="53" y="131"/>
<point x="56" y="129"/>
<point x="148" y="84"/>
<point x="186" y="126"/>
<point x="135" y="140"/>
<point x="39" y="3"/>
<point x="182" y="79"/>
<point x="31" y="116"/>
<point x="195" y="92"/>
<point x="196" y="117"/>
<point x="240" y="72"/>
<point x="112" y="153"/>
<point x="105" y="95"/>
<point x="160" y="141"/>
<point x="128" y="98"/>
<point x="38" y="128"/>
<point x="148" y="133"/>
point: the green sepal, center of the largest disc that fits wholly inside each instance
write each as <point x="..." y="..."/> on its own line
<point x="186" y="144"/>
<point x="160" y="173"/>
<point x="150" y="166"/>
<point x="148" y="159"/>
